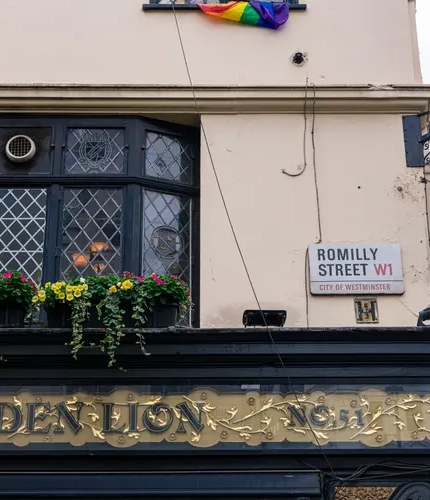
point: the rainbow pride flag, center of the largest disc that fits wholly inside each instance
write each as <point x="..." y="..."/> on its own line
<point x="264" y="14"/>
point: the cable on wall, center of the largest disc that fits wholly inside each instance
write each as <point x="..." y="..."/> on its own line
<point x="318" y="208"/>
<point x="235" y="236"/>
<point x="305" y="134"/>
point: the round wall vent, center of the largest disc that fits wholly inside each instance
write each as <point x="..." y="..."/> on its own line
<point x="20" y="148"/>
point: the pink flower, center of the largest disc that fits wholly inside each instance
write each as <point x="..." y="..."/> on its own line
<point x="139" y="280"/>
<point x="154" y="276"/>
<point x="23" y="280"/>
<point x="7" y="275"/>
<point x="32" y="283"/>
<point x="174" y="276"/>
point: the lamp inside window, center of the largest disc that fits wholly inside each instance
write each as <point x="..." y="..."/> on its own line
<point x="97" y="256"/>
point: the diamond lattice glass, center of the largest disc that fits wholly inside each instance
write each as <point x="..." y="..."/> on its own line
<point x="22" y="230"/>
<point x="167" y="235"/>
<point x="94" y="151"/>
<point x="168" y="158"/>
<point x="91" y="235"/>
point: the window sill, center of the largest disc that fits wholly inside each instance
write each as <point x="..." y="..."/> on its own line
<point x="190" y="7"/>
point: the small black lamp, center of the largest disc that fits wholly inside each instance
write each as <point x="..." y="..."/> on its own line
<point x="424" y="315"/>
<point x="255" y="317"/>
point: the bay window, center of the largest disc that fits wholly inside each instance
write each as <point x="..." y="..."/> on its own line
<point x="99" y="196"/>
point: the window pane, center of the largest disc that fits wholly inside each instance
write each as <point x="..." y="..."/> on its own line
<point x="167" y="235"/>
<point x="168" y="158"/>
<point x="91" y="236"/>
<point x="22" y="230"/>
<point x="94" y="151"/>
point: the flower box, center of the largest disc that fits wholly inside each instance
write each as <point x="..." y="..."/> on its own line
<point x="113" y="303"/>
<point x="18" y="293"/>
<point x="12" y="315"/>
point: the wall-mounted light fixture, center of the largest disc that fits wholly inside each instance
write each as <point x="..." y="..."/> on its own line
<point x="265" y="317"/>
<point x="424" y="315"/>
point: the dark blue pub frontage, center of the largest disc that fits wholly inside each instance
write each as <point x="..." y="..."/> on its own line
<point x="315" y="414"/>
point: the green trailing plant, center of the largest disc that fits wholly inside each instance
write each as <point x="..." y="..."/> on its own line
<point x="113" y="298"/>
<point x="77" y="296"/>
<point x="125" y="290"/>
<point x="143" y="294"/>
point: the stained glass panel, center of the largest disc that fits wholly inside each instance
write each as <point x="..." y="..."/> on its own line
<point x="91" y="235"/>
<point x="94" y="151"/>
<point x="167" y="235"/>
<point x="168" y="157"/>
<point x="22" y="230"/>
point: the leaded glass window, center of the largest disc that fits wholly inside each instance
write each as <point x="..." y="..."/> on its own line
<point x="94" y="151"/>
<point x="22" y="230"/>
<point x="91" y="236"/>
<point x="168" y="158"/>
<point x="102" y="195"/>
<point x="167" y="234"/>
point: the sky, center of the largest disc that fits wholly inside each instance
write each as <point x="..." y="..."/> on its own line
<point x="423" y="24"/>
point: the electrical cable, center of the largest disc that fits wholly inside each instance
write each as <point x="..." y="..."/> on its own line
<point x="314" y="161"/>
<point x="361" y="471"/>
<point x="317" y="197"/>
<point x="235" y="236"/>
<point x="305" y="133"/>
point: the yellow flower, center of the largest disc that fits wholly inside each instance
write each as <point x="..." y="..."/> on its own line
<point x="113" y="289"/>
<point x="127" y="285"/>
<point x="84" y="287"/>
<point x="42" y="299"/>
<point x="35" y="299"/>
<point x="48" y="285"/>
<point x="118" y="284"/>
<point x="80" y="288"/>
<point x="69" y="288"/>
<point x="61" y="296"/>
<point x="69" y="297"/>
<point x="77" y="293"/>
<point x="42" y="293"/>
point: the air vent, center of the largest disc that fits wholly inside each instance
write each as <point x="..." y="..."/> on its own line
<point x="20" y="149"/>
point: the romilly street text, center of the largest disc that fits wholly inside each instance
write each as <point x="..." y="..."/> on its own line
<point x="337" y="262"/>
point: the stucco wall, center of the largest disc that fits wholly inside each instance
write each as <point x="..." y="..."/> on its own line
<point x="113" y="41"/>
<point x="366" y="195"/>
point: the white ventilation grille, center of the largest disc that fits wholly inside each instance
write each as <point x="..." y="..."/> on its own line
<point x="20" y="148"/>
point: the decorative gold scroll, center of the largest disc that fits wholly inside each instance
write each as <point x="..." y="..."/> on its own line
<point x="205" y="418"/>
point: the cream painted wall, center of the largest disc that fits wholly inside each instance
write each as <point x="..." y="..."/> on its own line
<point x="113" y="41"/>
<point x="366" y="195"/>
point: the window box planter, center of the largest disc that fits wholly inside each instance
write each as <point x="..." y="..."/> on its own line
<point x="122" y="302"/>
<point x="162" y="316"/>
<point x="17" y="295"/>
<point x="60" y="317"/>
<point x="12" y="315"/>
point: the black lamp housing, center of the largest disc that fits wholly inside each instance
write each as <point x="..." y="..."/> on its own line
<point x="265" y="317"/>
<point x="424" y="315"/>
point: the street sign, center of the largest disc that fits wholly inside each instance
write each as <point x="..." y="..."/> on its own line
<point x="353" y="269"/>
